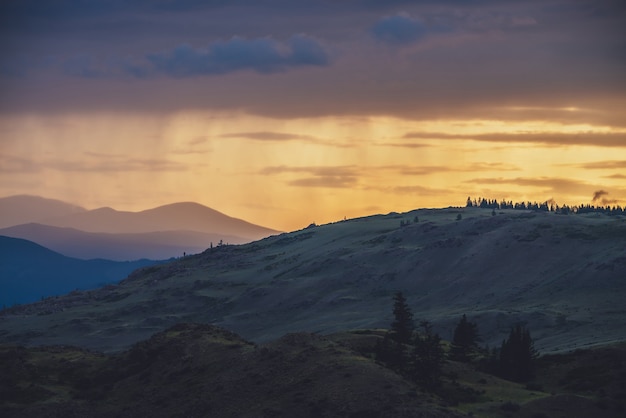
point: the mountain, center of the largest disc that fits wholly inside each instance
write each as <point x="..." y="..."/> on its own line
<point x="120" y="247"/>
<point x="186" y="216"/>
<point x="159" y="233"/>
<point x="561" y="275"/>
<point x="29" y="272"/>
<point x="15" y="210"/>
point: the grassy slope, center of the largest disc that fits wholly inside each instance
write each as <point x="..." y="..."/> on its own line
<point x="201" y="370"/>
<point x="192" y="370"/>
<point x="562" y="275"/>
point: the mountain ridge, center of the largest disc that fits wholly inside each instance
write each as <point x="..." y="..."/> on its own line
<point x="188" y="216"/>
<point x="182" y="222"/>
<point x="54" y="212"/>
<point x="19" y="209"/>
<point x="157" y="245"/>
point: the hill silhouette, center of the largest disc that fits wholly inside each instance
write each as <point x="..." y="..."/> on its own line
<point x="29" y="272"/>
<point x="200" y="370"/>
<point x="185" y="216"/>
<point x="120" y="247"/>
<point x="159" y="233"/>
<point x="559" y="275"/>
<point x="203" y="370"/>
<point x="16" y="210"/>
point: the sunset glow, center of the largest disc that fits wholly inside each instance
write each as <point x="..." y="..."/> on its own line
<point x="307" y="119"/>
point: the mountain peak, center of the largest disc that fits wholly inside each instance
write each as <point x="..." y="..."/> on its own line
<point x="20" y="209"/>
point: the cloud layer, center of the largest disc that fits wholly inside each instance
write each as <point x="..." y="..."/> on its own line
<point x="264" y="55"/>
<point x="312" y="107"/>
<point x="400" y="29"/>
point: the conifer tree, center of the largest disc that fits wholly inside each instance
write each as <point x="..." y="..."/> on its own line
<point x="517" y="354"/>
<point x="464" y="341"/>
<point x="428" y="357"/>
<point x="402" y="326"/>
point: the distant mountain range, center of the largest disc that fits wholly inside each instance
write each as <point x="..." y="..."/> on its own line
<point x="29" y="272"/>
<point x="121" y="247"/>
<point x="163" y="232"/>
<point x="21" y="209"/>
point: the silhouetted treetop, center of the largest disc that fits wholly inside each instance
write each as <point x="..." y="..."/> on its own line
<point x="547" y="206"/>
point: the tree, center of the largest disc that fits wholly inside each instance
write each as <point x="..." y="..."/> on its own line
<point x="391" y="350"/>
<point x="428" y="357"/>
<point x="464" y="341"/>
<point x="402" y="326"/>
<point x="516" y="355"/>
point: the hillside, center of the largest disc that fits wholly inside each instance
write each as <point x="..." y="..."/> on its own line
<point x="195" y="370"/>
<point x="202" y="370"/>
<point x="120" y="247"/>
<point x="29" y="272"/>
<point x="561" y="275"/>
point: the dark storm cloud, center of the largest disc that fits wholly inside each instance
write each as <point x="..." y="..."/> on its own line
<point x="399" y="29"/>
<point x="68" y="9"/>
<point x="263" y="55"/>
<point x="78" y="55"/>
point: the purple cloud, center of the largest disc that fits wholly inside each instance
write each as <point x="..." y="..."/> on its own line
<point x="262" y="55"/>
<point x="400" y="29"/>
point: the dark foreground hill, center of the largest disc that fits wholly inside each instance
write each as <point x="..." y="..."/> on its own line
<point x="562" y="276"/>
<point x="193" y="370"/>
<point x="202" y="371"/>
<point x="29" y="272"/>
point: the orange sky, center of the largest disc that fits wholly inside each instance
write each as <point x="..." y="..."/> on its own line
<point x="288" y="173"/>
<point x="303" y="118"/>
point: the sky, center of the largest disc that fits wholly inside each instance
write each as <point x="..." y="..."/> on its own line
<point x="285" y="113"/>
